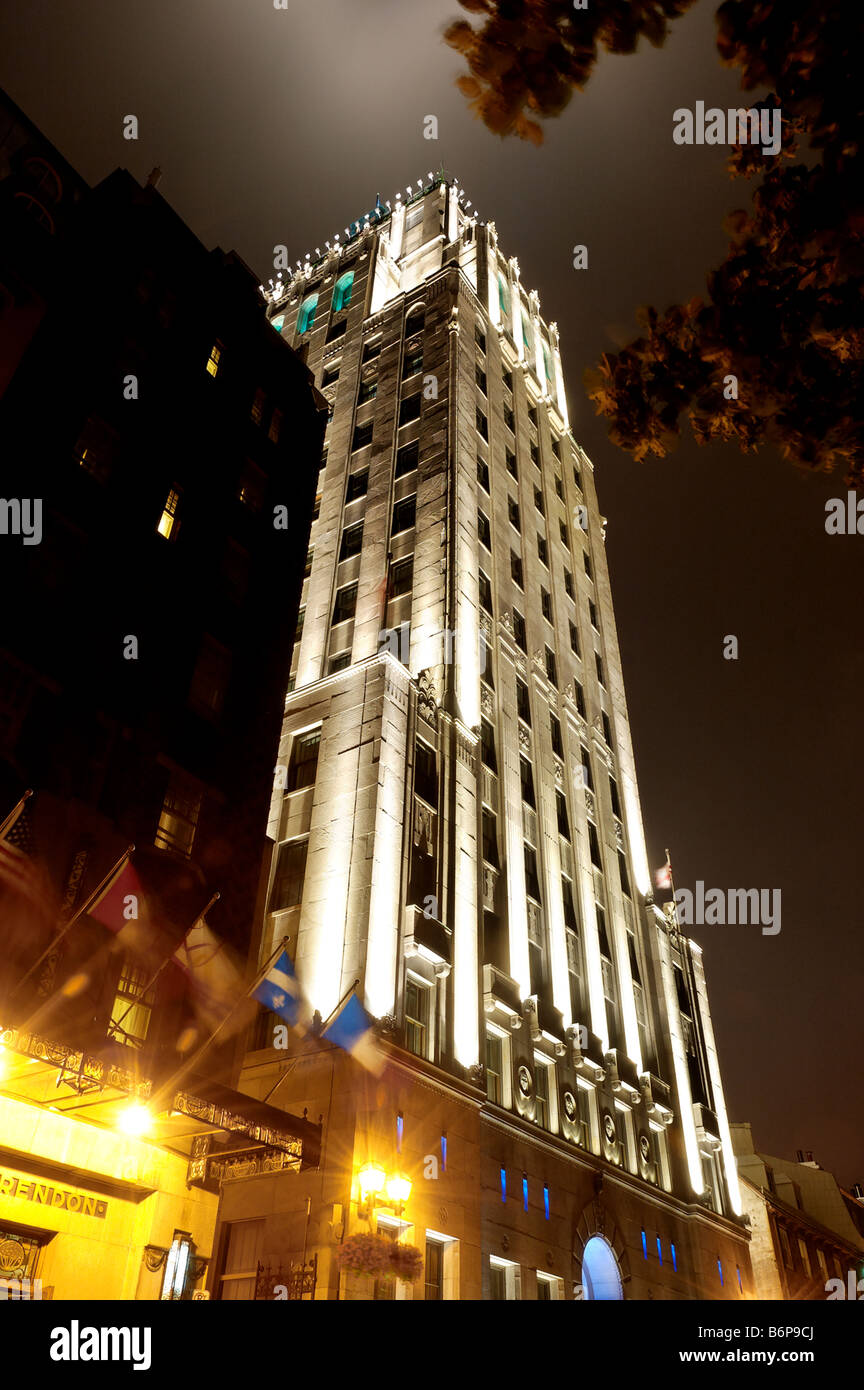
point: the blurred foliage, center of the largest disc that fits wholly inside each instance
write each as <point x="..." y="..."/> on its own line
<point x="783" y="310"/>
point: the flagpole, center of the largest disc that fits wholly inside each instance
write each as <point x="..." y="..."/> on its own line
<point x="15" y="812"/>
<point x="196" y="1056"/>
<point x="167" y="961"/>
<point x="85" y="906"/>
<point x="338" y="1006"/>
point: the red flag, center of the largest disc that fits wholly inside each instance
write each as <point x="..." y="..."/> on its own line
<point x="111" y="908"/>
<point x="663" y="877"/>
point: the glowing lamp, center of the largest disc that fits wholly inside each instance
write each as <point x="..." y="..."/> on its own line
<point x="371" y="1179"/>
<point x="135" y="1120"/>
<point x="399" y="1190"/>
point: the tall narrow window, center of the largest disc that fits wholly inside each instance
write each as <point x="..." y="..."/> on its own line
<point x="404" y="514"/>
<point x="523" y="701"/>
<point x="526" y="778"/>
<point x="214" y="359"/>
<point x="416" y="1017"/>
<point x="306" y="317"/>
<point x="290" y="873"/>
<point x="352" y="541"/>
<point x="487" y="746"/>
<point x="179" y="819"/>
<point x="407" y="459"/>
<point x="303" y="767"/>
<point x="169" y="522"/>
<point x="494" y="1068"/>
<point x="346" y="603"/>
<point x="519" y="634"/>
<point x="133" y="1004"/>
<point x="342" y="291"/>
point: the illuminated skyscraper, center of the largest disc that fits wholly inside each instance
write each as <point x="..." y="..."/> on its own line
<point x="456" y="819"/>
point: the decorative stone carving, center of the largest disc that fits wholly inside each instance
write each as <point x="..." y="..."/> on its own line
<point x="524" y="739"/>
<point x="426" y="703"/>
<point x="487" y="703"/>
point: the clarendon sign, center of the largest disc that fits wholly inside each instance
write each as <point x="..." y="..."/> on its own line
<point x="57" y="1197"/>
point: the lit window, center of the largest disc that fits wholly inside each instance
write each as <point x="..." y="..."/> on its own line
<point x="494" y="1068"/>
<point x="303" y="767"/>
<point x="169" y="522"/>
<point x="130" y="1015"/>
<point x="257" y="410"/>
<point x="179" y="819"/>
<point x="214" y="359"/>
<point x="342" y="291"/>
<point x="178" y="1265"/>
<point x="404" y="514"/>
<point x="416" y="1017"/>
<point x="306" y="317"/>
<point x="252" y="487"/>
<point x="346" y="603"/>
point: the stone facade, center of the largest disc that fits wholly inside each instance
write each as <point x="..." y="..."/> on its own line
<point x="469" y="847"/>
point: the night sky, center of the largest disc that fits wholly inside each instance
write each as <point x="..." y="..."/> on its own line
<point x="280" y="127"/>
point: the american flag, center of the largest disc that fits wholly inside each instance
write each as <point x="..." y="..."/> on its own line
<point x="20" y="873"/>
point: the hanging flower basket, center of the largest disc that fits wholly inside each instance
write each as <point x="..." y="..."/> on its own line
<point x="366" y="1254"/>
<point x="406" y="1262"/>
<point x="381" y="1258"/>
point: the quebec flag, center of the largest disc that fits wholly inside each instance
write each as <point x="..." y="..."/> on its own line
<point x="279" y="991"/>
<point x="351" y="1030"/>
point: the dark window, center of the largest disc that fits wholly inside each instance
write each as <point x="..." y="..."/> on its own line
<point x="409" y="409"/>
<point x="535" y="453"/>
<point x="551" y="667"/>
<point x="480" y="378"/>
<point x="532" y="878"/>
<point x="594" y="845"/>
<point x="336" y="330"/>
<point x="562" y="531"/>
<point x="515" y="568"/>
<point x="556" y="448"/>
<point x="434" y="1282"/>
<point x="523" y="701"/>
<point x="352" y="541"/>
<point x="404" y="514"/>
<point x="371" y="349"/>
<point x="338" y="662"/>
<point x="483" y="474"/>
<point x="580" y="698"/>
<point x="490" y="838"/>
<point x="487" y="746"/>
<point x="592" y="611"/>
<point x="568" y="584"/>
<point x="570" y="920"/>
<point x="358" y="485"/>
<point x="510" y="460"/>
<point x="304" y="760"/>
<point x="485" y="593"/>
<point x="480" y="338"/>
<point x="587" y="774"/>
<point x="210" y="678"/>
<point x="519" y="635"/>
<point x="362" y="435"/>
<point x="538" y="501"/>
<point x="509" y="418"/>
<point x="416" y="321"/>
<point x="625" y="877"/>
<point x="331" y="374"/>
<point x="290" y="873"/>
<point x="563" y="818"/>
<point x="598" y="661"/>
<point x="258" y="402"/>
<point x="316" y="510"/>
<point x="532" y="415"/>
<point x="412" y="361"/>
<point x="483" y="530"/>
<point x="482" y="424"/>
<point x="346" y="603"/>
<point x="252" y="487"/>
<point x="602" y="934"/>
<point x="559" y="487"/>
<point x="513" y="512"/>
<point x="407" y="459"/>
<point x="526" y="778"/>
<point x="555" y="726"/>
<point x="616" y="802"/>
<point x="588" y="567"/>
<point x="577" y="478"/>
<point x="541" y="548"/>
<point x="607" y="727"/>
<point x="426" y="772"/>
<point x="546" y="604"/>
<point x="310" y="556"/>
<point x="401" y="577"/>
<point x="368" y="390"/>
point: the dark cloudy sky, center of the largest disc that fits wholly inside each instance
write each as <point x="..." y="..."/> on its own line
<point x="280" y="126"/>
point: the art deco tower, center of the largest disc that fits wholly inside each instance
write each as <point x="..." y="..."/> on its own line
<point x="456" y="820"/>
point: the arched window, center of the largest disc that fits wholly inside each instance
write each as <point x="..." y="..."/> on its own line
<point x="342" y="291"/>
<point x="527" y="335"/>
<point x="601" y="1277"/>
<point x="547" y="362"/>
<point x="35" y="208"/>
<point x="503" y="297"/>
<point x="415" y="319"/>
<point x="306" y="317"/>
<point x="44" y="177"/>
